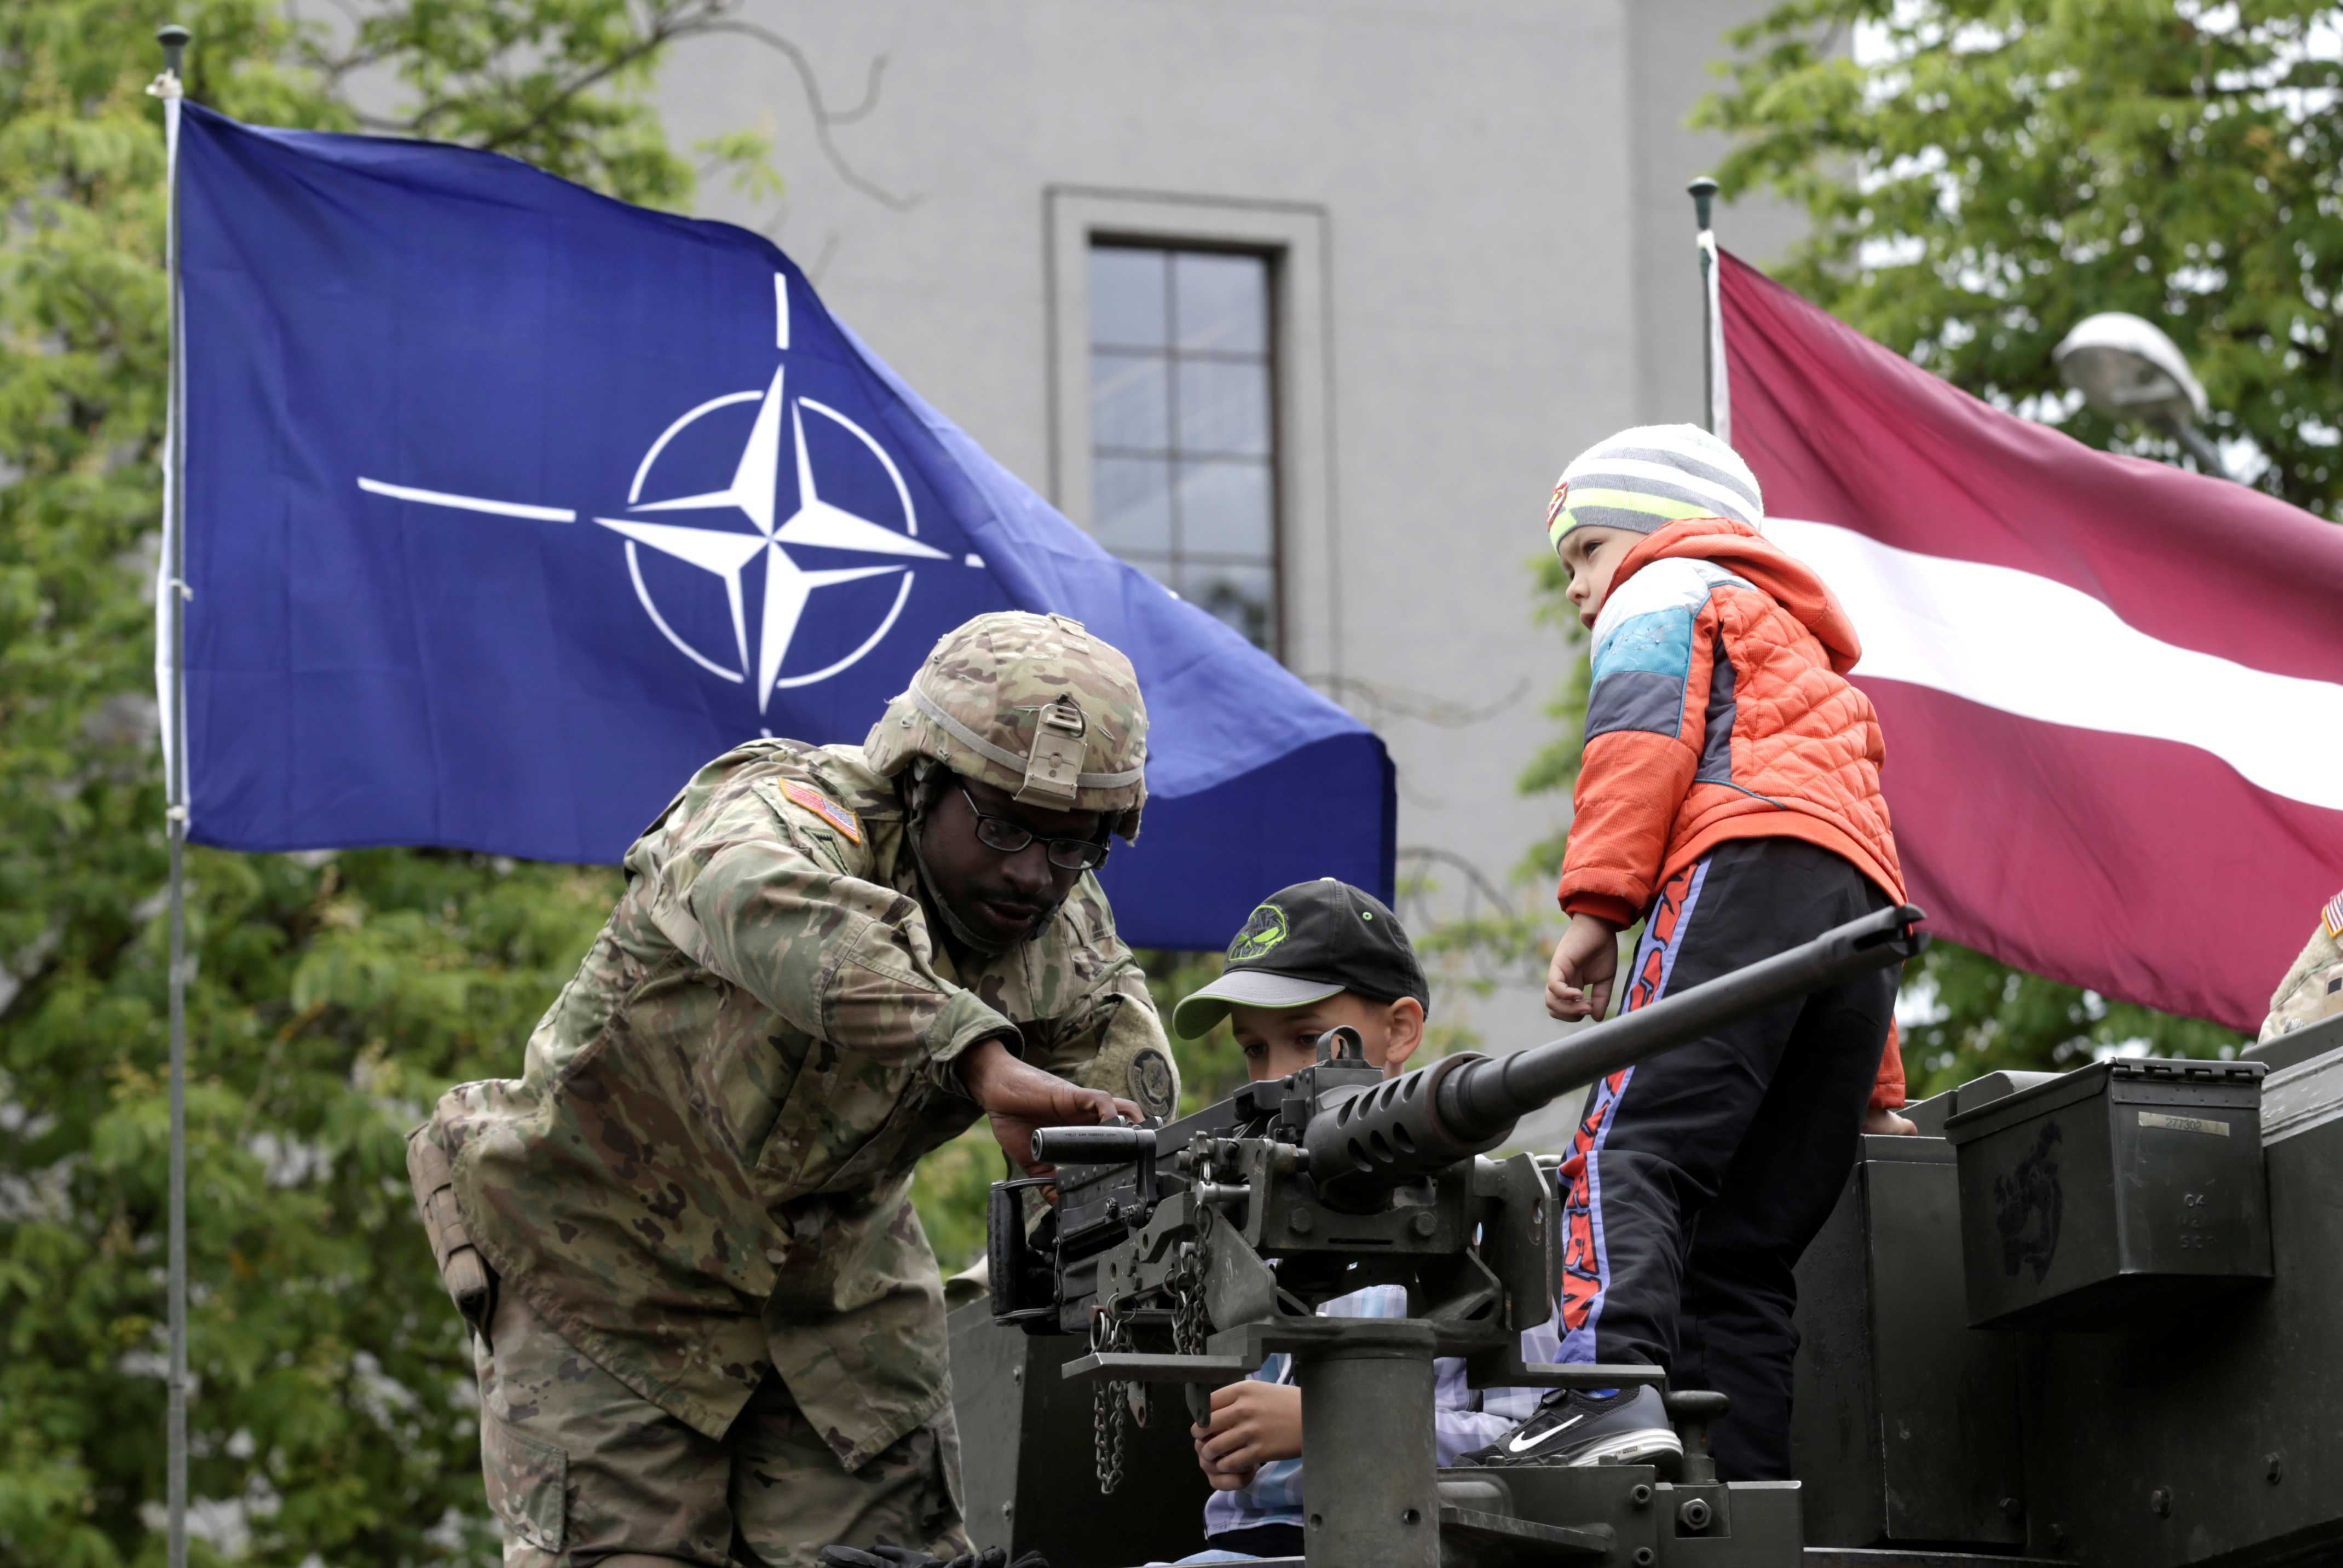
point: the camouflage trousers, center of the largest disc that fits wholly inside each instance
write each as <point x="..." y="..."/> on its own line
<point x="580" y="1468"/>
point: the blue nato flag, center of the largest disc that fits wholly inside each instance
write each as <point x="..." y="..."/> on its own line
<point x="508" y="506"/>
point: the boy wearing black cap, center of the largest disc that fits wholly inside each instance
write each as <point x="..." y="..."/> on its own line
<point x="1314" y="956"/>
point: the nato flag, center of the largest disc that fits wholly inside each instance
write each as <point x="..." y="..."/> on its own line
<point x="508" y="506"/>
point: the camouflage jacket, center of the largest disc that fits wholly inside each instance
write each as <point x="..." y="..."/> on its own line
<point x="704" y="1171"/>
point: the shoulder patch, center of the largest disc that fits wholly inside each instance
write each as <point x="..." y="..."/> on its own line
<point x="1153" y="1083"/>
<point x="823" y="806"/>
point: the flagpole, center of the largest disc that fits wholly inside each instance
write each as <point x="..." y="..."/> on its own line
<point x="1716" y="400"/>
<point x="172" y="632"/>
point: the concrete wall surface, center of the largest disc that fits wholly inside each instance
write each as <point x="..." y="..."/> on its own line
<point x="1487" y="264"/>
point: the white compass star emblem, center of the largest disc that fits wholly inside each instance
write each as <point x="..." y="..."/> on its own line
<point x="727" y="553"/>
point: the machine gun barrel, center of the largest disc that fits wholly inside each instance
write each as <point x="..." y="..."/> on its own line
<point x="1462" y="1105"/>
<point x="1494" y="1093"/>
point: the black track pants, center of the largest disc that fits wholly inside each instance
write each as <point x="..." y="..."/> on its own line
<point x="1696" y="1179"/>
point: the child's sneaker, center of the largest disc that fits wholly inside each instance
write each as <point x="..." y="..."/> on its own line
<point x="1572" y="1427"/>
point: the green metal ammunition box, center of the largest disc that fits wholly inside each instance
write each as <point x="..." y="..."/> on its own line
<point x="1027" y="1461"/>
<point x="2119" y="1192"/>
<point x="2287" y="1051"/>
<point x="1904" y="1422"/>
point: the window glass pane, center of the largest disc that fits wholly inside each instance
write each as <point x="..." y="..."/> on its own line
<point x="1128" y="304"/>
<point x="1131" y="401"/>
<point x="1223" y="301"/>
<point x="1244" y="597"/>
<point x="1134" y="503"/>
<point x="1225" y="406"/>
<point x="1160" y="567"/>
<point x="1224" y="510"/>
<point x="1182" y="427"/>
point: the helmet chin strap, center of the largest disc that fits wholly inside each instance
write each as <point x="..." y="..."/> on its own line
<point x="914" y="831"/>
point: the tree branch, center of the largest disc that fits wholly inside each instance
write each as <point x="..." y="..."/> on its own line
<point x="823" y="117"/>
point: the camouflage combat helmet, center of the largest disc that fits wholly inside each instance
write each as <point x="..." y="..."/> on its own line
<point x="1030" y="704"/>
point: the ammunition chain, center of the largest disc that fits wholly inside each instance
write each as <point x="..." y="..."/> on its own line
<point x="1185" y="1281"/>
<point x="1107" y="1401"/>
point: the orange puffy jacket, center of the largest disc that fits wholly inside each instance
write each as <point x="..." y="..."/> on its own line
<point x="1720" y="710"/>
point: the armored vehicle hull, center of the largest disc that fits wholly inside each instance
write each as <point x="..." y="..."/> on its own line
<point x="2094" y="1319"/>
<point x="2181" y="1420"/>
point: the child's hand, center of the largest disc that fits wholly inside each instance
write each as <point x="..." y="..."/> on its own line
<point x="1585" y="962"/>
<point x="1879" y="1121"/>
<point x="1220" y="1479"/>
<point x="1252" y="1423"/>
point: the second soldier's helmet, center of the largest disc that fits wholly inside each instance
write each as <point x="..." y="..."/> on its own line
<point x="1030" y="704"/>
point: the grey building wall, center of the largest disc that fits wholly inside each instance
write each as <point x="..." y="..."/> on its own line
<point x="1673" y="51"/>
<point x="1488" y="265"/>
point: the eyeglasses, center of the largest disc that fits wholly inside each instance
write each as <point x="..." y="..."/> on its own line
<point x="1000" y="833"/>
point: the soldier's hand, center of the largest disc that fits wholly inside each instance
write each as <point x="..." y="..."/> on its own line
<point x="1585" y="962"/>
<point x="1020" y="1098"/>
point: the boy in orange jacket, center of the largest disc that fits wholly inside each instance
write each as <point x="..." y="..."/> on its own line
<point x="1729" y="798"/>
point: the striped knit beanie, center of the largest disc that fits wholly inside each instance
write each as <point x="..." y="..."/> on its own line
<point x="1644" y="478"/>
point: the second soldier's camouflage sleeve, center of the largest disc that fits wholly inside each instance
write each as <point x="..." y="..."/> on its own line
<point x="1134" y="1060"/>
<point x="842" y="958"/>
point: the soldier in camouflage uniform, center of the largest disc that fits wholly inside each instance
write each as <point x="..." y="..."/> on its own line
<point x="2312" y="991"/>
<point x="711" y="1329"/>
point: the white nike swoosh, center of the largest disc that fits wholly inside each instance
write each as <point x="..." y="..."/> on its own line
<point x="1516" y="1445"/>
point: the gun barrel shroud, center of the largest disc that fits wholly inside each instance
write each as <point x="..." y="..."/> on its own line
<point x="1375" y="1140"/>
<point x="1491" y="1094"/>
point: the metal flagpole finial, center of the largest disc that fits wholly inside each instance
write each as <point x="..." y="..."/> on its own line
<point x="175" y="40"/>
<point x="1704" y="192"/>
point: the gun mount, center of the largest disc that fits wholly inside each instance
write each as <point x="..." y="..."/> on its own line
<point x="1189" y="1252"/>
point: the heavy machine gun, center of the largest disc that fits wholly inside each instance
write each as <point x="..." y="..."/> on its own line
<point x="1189" y="1252"/>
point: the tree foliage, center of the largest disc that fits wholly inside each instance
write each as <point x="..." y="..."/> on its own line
<point x="1980" y="175"/>
<point x="332" y="996"/>
<point x="1967" y="1015"/>
<point x="1507" y="933"/>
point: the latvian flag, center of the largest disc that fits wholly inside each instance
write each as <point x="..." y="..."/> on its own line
<point x="2111" y="690"/>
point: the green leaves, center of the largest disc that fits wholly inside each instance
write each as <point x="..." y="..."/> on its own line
<point x="333" y="997"/>
<point x="1975" y="1016"/>
<point x="331" y="1005"/>
<point x="1981" y="174"/>
<point x="551" y="82"/>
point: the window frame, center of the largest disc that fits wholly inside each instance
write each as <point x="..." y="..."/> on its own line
<point x="1292" y="238"/>
<point x="1178" y="454"/>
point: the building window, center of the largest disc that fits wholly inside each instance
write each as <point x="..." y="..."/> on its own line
<point x="1183" y="447"/>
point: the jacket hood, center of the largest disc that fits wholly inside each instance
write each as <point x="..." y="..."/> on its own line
<point x="1743" y="550"/>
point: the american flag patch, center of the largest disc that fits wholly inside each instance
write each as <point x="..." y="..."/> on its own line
<point x="823" y="806"/>
<point x="2331" y="916"/>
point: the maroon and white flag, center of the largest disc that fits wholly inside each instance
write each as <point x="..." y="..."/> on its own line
<point x="2111" y="690"/>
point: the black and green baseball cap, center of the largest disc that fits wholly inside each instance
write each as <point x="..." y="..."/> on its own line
<point x="1302" y="944"/>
